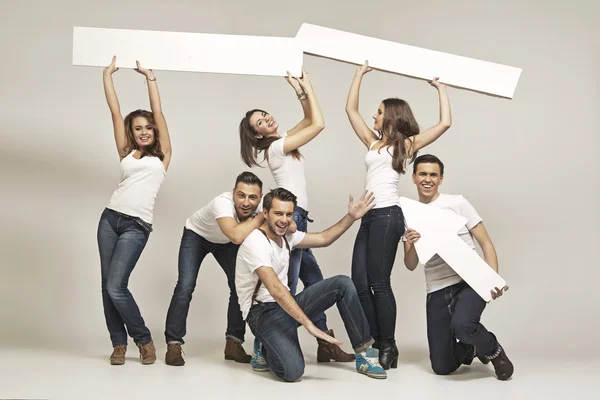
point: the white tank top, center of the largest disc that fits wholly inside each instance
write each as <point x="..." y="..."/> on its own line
<point x="140" y="182"/>
<point x="382" y="179"/>
<point x="288" y="171"/>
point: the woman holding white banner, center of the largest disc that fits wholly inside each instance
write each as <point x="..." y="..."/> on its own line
<point x="394" y="139"/>
<point x="259" y="133"/>
<point x="144" y="149"/>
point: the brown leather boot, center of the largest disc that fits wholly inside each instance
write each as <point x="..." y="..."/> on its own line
<point x="235" y="351"/>
<point x="118" y="355"/>
<point x="328" y="351"/>
<point x="147" y="353"/>
<point x="173" y="355"/>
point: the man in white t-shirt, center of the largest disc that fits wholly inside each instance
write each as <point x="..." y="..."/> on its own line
<point x="453" y="307"/>
<point x="273" y="314"/>
<point x="218" y="229"/>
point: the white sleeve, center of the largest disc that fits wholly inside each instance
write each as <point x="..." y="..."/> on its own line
<point x="276" y="149"/>
<point x="259" y="209"/>
<point x="223" y="207"/>
<point x="255" y="252"/>
<point x="469" y="212"/>
<point x="295" y="238"/>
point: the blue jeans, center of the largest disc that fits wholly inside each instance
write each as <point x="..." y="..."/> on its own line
<point x="192" y="251"/>
<point x="304" y="266"/>
<point x="120" y="242"/>
<point x="372" y="261"/>
<point x="454" y="313"/>
<point x="278" y="331"/>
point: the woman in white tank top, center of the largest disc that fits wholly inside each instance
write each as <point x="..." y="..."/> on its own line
<point x="259" y="133"/>
<point x="144" y="148"/>
<point x="382" y="227"/>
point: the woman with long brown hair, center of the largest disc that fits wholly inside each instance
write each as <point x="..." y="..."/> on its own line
<point x="144" y="149"/>
<point x="394" y="140"/>
<point x="259" y="134"/>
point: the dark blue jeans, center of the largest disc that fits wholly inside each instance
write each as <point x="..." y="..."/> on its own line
<point x="278" y="331"/>
<point x="120" y="242"/>
<point x="372" y="261"/>
<point x="454" y="313"/>
<point x="192" y="251"/>
<point x="304" y="266"/>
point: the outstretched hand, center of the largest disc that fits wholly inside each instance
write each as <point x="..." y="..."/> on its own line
<point x="112" y="67"/>
<point x="364" y="204"/>
<point x="319" y="334"/>
<point x="294" y="83"/>
<point x="435" y="82"/>
<point x="363" y="69"/>
<point x="146" y="72"/>
<point x="303" y="82"/>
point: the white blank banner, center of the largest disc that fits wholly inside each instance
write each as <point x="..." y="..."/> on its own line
<point x="468" y="73"/>
<point x="180" y="51"/>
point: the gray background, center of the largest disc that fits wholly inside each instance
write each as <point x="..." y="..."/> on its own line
<point x="526" y="164"/>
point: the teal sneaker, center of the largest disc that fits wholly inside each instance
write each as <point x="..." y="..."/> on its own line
<point x="367" y="362"/>
<point x="258" y="362"/>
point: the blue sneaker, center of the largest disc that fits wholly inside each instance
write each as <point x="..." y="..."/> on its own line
<point x="367" y="362"/>
<point x="258" y="362"/>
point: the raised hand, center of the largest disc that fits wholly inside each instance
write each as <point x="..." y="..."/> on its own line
<point x="435" y="82"/>
<point x="304" y="81"/>
<point x="412" y="236"/>
<point x="112" y="67"/>
<point x="363" y="69"/>
<point x="498" y="292"/>
<point x="364" y="204"/>
<point x="146" y="72"/>
<point x="294" y="83"/>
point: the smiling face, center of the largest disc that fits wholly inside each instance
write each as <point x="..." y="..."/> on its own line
<point x="280" y="216"/>
<point x="428" y="178"/>
<point x="246" y="198"/>
<point x="143" y="131"/>
<point x="378" y="118"/>
<point x="264" y="124"/>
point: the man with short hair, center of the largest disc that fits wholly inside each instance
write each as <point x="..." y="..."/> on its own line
<point x="453" y="307"/>
<point x="273" y="314"/>
<point x="218" y="228"/>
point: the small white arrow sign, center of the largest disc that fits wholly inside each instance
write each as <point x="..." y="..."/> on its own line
<point x="438" y="229"/>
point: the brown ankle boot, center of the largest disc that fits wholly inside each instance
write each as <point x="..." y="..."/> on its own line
<point x="328" y="351"/>
<point x="235" y="351"/>
<point x="118" y="355"/>
<point x="173" y="355"/>
<point x="147" y="353"/>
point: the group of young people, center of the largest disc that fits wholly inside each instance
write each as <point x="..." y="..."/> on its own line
<point x="262" y="243"/>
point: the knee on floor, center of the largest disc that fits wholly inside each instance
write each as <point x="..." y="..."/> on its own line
<point x="442" y="368"/>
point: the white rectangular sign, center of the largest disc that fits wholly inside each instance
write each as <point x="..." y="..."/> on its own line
<point x="468" y="73"/>
<point x="180" y="51"/>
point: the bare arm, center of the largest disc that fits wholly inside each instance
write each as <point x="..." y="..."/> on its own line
<point x="283" y="297"/>
<point x="317" y="123"/>
<point x="303" y="98"/>
<point x="364" y="133"/>
<point x="333" y="233"/>
<point x="489" y="254"/>
<point x="238" y="232"/>
<point x="411" y="258"/>
<point x="432" y="134"/>
<point x="159" y="118"/>
<point x="115" y="108"/>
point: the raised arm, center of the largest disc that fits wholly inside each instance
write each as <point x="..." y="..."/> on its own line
<point x="317" y="124"/>
<point x="159" y="118"/>
<point x="115" y="108"/>
<point x="283" y="297"/>
<point x="362" y="130"/>
<point x="333" y="233"/>
<point x="238" y="232"/>
<point x="432" y="134"/>
<point x="303" y="98"/>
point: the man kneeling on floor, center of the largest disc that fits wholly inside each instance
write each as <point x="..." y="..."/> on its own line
<point x="273" y="314"/>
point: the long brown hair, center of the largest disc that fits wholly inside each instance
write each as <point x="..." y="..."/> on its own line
<point x="399" y="124"/>
<point x="251" y="145"/>
<point x="152" y="150"/>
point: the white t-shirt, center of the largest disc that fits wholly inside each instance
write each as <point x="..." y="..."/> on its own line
<point x="288" y="171"/>
<point x="140" y="182"/>
<point x="438" y="274"/>
<point x="204" y="221"/>
<point x="381" y="178"/>
<point x="255" y="252"/>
